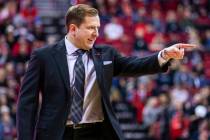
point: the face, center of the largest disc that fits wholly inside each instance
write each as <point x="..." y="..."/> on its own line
<point x="85" y="35"/>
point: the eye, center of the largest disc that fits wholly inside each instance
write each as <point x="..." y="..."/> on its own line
<point x="90" y="27"/>
<point x="93" y="28"/>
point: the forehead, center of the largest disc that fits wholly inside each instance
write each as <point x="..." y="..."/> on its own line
<point x="92" y="20"/>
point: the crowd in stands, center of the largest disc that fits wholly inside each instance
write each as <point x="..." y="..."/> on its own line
<point x="173" y="106"/>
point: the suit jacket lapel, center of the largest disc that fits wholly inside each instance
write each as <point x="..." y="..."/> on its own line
<point x="59" y="53"/>
<point x="97" y="60"/>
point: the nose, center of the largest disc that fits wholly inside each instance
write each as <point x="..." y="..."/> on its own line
<point x="96" y="32"/>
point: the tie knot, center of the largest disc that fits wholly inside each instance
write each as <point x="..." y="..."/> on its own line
<point x="79" y="52"/>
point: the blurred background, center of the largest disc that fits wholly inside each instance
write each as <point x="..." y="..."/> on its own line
<point x="170" y="106"/>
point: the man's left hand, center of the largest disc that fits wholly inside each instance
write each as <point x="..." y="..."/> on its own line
<point x="176" y="51"/>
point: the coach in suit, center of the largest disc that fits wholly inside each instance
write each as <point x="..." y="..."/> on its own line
<point x="74" y="79"/>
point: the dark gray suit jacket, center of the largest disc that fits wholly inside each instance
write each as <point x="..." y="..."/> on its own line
<point x="48" y="72"/>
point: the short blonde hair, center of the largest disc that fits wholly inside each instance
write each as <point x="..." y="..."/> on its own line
<point x="77" y="13"/>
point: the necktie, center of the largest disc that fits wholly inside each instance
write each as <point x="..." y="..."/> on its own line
<point x="78" y="88"/>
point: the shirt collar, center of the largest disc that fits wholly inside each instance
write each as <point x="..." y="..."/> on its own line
<point x="70" y="47"/>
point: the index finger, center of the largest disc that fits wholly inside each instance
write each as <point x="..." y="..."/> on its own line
<point x="186" y="46"/>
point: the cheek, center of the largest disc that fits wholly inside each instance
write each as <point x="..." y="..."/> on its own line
<point x="84" y="35"/>
<point x="80" y="36"/>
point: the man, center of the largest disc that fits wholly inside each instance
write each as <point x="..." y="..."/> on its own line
<point x="74" y="78"/>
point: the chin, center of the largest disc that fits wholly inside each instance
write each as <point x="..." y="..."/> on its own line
<point x="89" y="47"/>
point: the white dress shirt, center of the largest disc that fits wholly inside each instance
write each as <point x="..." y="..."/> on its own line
<point x="92" y="106"/>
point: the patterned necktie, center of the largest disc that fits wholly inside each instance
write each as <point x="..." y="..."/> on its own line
<point x="78" y="88"/>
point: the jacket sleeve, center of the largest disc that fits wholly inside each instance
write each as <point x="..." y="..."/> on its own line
<point x="135" y="66"/>
<point x="27" y="105"/>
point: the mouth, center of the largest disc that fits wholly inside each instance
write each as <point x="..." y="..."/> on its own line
<point x="91" y="40"/>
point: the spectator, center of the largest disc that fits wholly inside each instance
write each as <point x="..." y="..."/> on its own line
<point x="171" y="22"/>
<point x="206" y="41"/>
<point x="139" y="42"/>
<point x="21" y="50"/>
<point x="183" y="77"/>
<point x="4" y="51"/>
<point x="179" y="127"/>
<point x="6" y="121"/>
<point x="114" y="29"/>
<point x="151" y="111"/>
<point x="165" y="116"/>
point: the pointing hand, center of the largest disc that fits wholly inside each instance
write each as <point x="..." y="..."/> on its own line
<point x="176" y="51"/>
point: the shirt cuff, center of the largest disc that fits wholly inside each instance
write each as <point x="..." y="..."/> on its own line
<point x="161" y="60"/>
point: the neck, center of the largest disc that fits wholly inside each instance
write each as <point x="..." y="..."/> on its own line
<point x="71" y="39"/>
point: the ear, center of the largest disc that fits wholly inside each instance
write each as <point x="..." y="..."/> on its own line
<point x="72" y="28"/>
